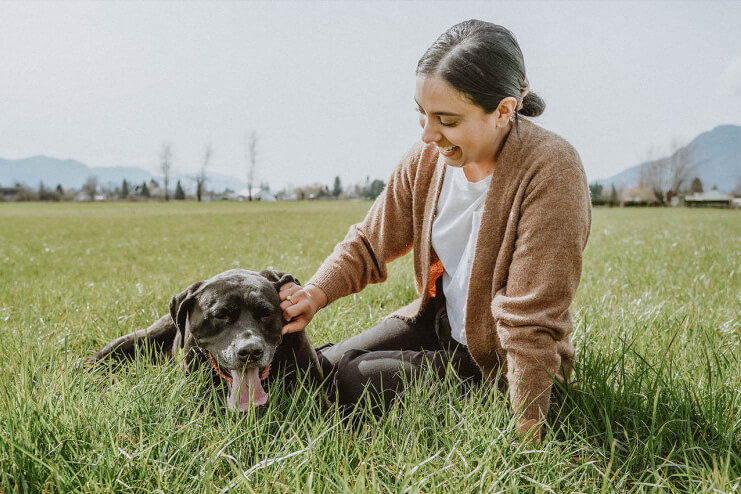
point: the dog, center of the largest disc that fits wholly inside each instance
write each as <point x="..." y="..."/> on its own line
<point x="232" y="323"/>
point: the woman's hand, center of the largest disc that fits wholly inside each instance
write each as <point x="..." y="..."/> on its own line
<point x="299" y="304"/>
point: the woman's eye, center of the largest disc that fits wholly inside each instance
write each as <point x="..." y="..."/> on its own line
<point x="448" y="124"/>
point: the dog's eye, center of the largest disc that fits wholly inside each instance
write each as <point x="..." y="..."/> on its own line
<point x="261" y="312"/>
<point x="222" y="313"/>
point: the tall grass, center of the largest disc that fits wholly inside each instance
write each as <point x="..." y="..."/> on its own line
<point x="656" y="404"/>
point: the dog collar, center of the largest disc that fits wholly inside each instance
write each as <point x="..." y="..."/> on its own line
<point x="263" y="375"/>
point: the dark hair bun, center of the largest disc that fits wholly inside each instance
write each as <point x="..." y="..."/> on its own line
<point x="532" y="105"/>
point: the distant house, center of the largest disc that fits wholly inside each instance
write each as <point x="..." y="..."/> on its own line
<point x="257" y="195"/>
<point x="157" y="192"/>
<point x="708" y="199"/>
<point x="642" y="195"/>
<point x="285" y="195"/>
<point x="8" y="193"/>
<point x="83" y="196"/>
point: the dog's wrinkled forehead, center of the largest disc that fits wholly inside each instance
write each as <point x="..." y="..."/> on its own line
<point x="253" y="289"/>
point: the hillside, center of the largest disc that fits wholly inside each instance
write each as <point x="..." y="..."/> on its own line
<point x="72" y="174"/>
<point x="717" y="157"/>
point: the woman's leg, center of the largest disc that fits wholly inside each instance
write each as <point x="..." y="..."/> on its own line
<point x="391" y="334"/>
<point x="382" y="373"/>
<point x="383" y="358"/>
<point x="377" y="357"/>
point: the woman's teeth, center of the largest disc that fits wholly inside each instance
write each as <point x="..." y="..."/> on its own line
<point x="447" y="151"/>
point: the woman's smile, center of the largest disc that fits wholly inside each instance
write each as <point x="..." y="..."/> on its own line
<point x="465" y="135"/>
<point x="448" y="151"/>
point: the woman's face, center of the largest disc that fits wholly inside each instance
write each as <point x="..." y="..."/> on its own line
<point x="461" y="130"/>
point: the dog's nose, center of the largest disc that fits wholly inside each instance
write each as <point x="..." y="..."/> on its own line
<point x="250" y="352"/>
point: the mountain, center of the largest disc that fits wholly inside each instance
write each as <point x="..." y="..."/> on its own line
<point x="717" y="157"/>
<point x="71" y="174"/>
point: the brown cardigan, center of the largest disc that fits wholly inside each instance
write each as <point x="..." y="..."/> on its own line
<point x="527" y="263"/>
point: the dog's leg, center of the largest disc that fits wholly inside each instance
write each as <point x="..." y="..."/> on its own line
<point x="296" y="353"/>
<point x="158" y="339"/>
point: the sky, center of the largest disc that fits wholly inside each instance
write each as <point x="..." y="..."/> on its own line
<point x="328" y="86"/>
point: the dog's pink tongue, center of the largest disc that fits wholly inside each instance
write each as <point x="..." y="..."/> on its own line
<point x="246" y="384"/>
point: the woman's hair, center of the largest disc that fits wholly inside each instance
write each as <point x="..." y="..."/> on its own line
<point x="483" y="61"/>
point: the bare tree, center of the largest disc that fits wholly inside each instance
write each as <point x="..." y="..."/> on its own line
<point x="666" y="176"/>
<point x="201" y="178"/>
<point x="652" y="173"/>
<point x="90" y="187"/>
<point x="681" y="168"/>
<point x="165" y="165"/>
<point x="251" y="161"/>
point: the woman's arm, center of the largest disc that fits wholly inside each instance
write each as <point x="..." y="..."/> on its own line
<point x="532" y="311"/>
<point x="385" y="234"/>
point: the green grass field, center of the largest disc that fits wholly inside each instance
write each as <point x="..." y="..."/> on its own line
<point x="656" y="406"/>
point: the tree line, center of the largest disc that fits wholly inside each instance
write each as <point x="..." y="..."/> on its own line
<point x="154" y="190"/>
<point x="92" y="190"/>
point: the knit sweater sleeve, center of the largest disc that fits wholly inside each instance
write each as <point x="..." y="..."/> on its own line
<point x="385" y="234"/>
<point x="532" y="310"/>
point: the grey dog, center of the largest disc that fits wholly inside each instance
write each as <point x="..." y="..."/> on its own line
<point x="231" y="322"/>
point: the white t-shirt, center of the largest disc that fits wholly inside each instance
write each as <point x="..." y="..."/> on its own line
<point x="454" y="233"/>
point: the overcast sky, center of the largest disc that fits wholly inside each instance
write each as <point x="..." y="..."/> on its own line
<point x="329" y="86"/>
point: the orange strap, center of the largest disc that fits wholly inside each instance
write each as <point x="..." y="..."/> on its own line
<point x="218" y="370"/>
<point x="436" y="270"/>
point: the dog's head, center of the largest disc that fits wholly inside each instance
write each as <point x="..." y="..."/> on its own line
<point x="234" y="317"/>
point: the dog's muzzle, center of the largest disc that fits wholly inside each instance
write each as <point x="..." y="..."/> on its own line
<point x="245" y="388"/>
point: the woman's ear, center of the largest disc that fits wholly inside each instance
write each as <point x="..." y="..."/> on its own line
<point x="505" y="111"/>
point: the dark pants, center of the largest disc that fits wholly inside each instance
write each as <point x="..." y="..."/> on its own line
<point x="386" y="356"/>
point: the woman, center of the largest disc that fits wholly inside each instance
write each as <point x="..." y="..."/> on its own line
<point x="497" y="212"/>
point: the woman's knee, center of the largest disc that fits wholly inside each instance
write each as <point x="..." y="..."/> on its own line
<point x="378" y="375"/>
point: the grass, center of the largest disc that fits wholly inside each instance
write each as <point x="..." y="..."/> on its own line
<point x="656" y="405"/>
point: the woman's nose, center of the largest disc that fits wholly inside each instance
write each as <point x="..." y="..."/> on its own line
<point x="429" y="134"/>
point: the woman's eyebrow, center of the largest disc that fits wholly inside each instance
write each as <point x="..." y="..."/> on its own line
<point x="441" y="113"/>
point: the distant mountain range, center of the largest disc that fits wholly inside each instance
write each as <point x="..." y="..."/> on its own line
<point x="717" y="158"/>
<point x="71" y="174"/>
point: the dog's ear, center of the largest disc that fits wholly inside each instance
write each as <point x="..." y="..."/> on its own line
<point x="181" y="304"/>
<point x="278" y="278"/>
